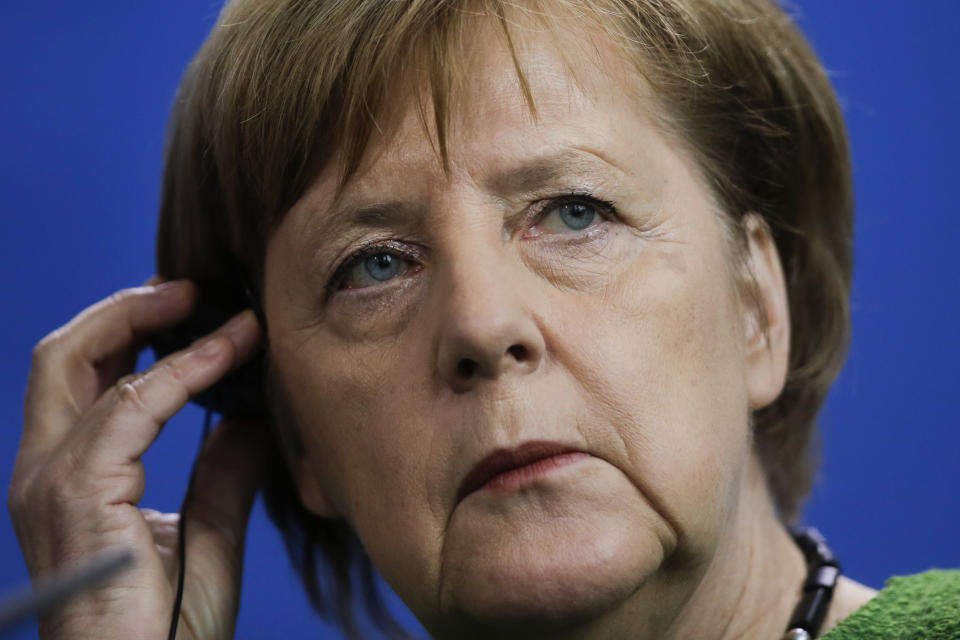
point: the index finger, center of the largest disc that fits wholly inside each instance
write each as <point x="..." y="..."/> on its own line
<point x="126" y="420"/>
<point x="64" y="380"/>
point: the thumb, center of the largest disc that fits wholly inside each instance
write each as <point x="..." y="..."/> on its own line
<point x="229" y="473"/>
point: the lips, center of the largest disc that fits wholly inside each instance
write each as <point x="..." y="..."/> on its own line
<point x="502" y="466"/>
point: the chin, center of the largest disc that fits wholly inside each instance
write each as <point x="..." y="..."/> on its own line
<point x="544" y="561"/>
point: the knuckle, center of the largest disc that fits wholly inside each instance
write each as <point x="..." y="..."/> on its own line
<point x="72" y="485"/>
<point x="130" y="378"/>
<point x="60" y="476"/>
<point x="171" y="368"/>
<point x="17" y="498"/>
<point x="44" y="350"/>
<point x="40" y="488"/>
<point x="128" y="393"/>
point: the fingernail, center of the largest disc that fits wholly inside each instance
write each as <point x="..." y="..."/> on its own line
<point x="237" y="325"/>
<point x="165" y="288"/>
<point x="211" y="347"/>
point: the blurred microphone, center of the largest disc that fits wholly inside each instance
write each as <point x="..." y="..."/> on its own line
<point x="53" y="590"/>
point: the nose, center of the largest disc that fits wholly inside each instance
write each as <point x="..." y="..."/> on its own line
<point x="487" y="329"/>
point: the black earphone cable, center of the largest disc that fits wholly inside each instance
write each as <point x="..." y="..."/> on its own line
<point x="823" y="571"/>
<point x="182" y="529"/>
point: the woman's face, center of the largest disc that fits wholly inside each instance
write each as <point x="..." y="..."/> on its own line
<point x="562" y="293"/>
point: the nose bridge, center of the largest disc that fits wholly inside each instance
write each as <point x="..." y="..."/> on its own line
<point x="487" y="328"/>
<point x="482" y="295"/>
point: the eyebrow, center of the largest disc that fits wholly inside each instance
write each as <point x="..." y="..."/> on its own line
<point x="546" y="170"/>
<point x="378" y="214"/>
<point x="345" y="216"/>
<point x="526" y="177"/>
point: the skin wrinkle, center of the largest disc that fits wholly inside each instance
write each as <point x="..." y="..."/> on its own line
<point x="626" y="448"/>
<point x="618" y="418"/>
<point x="741" y="592"/>
<point x="441" y="573"/>
<point x="661" y="469"/>
<point x="565" y="277"/>
<point x="783" y="587"/>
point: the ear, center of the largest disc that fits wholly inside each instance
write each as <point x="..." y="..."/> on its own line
<point x="767" y="325"/>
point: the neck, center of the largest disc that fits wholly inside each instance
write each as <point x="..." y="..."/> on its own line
<point x="749" y="587"/>
<point x="754" y="582"/>
<point x="746" y="590"/>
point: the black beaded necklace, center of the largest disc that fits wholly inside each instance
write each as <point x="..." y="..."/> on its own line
<point x="823" y="570"/>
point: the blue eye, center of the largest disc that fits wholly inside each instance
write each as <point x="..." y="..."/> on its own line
<point x="368" y="268"/>
<point x="572" y="215"/>
<point x="576" y="215"/>
<point x="382" y="266"/>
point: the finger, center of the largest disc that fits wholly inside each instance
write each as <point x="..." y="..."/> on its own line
<point x="128" y="417"/>
<point x="229" y="473"/>
<point x="64" y="381"/>
<point x="111" y="325"/>
<point x="112" y="368"/>
<point x="108" y="371"/>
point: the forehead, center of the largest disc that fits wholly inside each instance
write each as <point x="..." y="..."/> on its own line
<point x="543" y="100"/>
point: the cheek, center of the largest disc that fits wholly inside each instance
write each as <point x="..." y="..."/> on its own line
<point x="658" y="355"/>
<point x="364" y="429"/>
<point x="336" y="395"/>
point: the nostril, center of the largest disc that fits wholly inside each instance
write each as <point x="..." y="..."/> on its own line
<point x="518" y="351"/>
<point x="466" y="368"/>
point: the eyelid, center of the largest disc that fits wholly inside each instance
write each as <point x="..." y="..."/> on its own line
<point x="544" y="206"/>
<point x="410" y="251"/>
<point x="405" y="251"/>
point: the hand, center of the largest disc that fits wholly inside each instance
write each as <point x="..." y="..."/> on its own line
<point x="78" y="476"/>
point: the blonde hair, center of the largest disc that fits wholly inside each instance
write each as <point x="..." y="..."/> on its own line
<point x="280" y="86"/>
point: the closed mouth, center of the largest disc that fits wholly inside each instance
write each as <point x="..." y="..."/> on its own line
<point x="505" y="468"/>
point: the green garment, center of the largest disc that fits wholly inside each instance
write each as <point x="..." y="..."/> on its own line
<point x="925" y="606"/>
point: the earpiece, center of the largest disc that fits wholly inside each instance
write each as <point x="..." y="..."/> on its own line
<point x="241" y="392"/>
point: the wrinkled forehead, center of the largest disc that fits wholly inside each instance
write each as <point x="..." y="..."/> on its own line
<point x="525" y="73"/>
<point x="560" y="122"/>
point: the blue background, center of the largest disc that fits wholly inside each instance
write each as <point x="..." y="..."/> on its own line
<point x="85" y="88"/>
